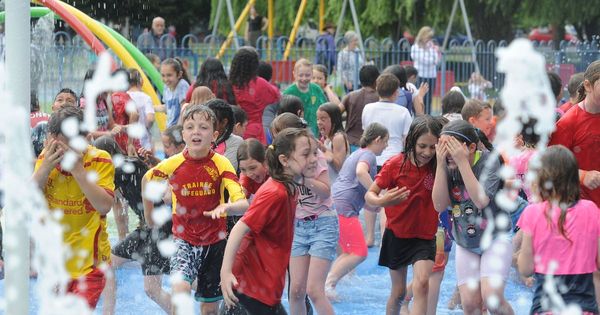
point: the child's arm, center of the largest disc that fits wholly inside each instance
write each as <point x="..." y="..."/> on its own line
<point x="460" y="155"/>
<point x="389" y="198"/>
<point x="53" y="154"/>
<point x="525" y="260"/>
<point x="319" y="185"/>
<point x="589" y="179"/>
<point x="160" y="108"/>
<point x="231" y="208"/>
<point x="148" y="205"/>
<point x="228" y="280"/>
<point x="440" y="194"/>
<point x="339" y="150"/>
<point x="362" y="173"/>
<point x="98" y="197"/>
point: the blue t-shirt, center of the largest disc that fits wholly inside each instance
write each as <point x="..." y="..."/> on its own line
<point x="405" y="100"/>
<point x="347" y="192"/>
<point x="173" y="100"/>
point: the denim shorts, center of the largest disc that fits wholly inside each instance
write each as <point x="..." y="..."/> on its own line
<point x="316" y="238"/>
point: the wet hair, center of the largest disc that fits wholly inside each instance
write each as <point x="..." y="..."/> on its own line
<point x="202" y="110"/>
<point x="473" y="108"/>
<point x="452" y="102"/>
<point x="212" y="75"/>
<point x="244" y="67"/>
<point x="284" y="143"/>
<point x="239" y="114"/>
<point x="251" y="149"/>
<point x="177" y="65"/>
<point x="290" y="104"/>
<point x="461" y="130"/>
<point x="62" y="114"/>
<point x="68" y="91"/>
<point x="387" y="84"/>
<point x="34" y="104"/>
<point x="558" y="180"/>
<point x="373" y="131"/>
<point x="400" y="74"/>
<point x="420" y="126"/>
<point x="591" y="74"/>
<point x="555" y="83"/>
<point x="222" y="111"/>
<point x="265" y="70"/>
<point x="574" y="83"/>
<point x="335" y="115"/>
<point x="108" y="144"/>
<point x="135" y="77"/>
<point x="287" y="120"/>
<point x="411" y="70"/>
<point x="174" y="135"/>
<point x="528" y="133"/>
<point x="367" y="75"/>
<point x="322" y="69"/>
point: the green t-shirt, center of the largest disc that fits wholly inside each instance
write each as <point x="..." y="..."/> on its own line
<point x="311" y="101"/>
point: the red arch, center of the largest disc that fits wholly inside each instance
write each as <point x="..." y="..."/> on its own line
<point x="87" y="35"/>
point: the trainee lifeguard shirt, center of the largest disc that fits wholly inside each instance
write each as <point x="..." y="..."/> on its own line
<point x="579" y="131"/>
<point x="198" y="185"/>
<point x="84" y="228"/>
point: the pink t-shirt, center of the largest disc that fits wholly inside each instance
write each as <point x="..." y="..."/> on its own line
<point x="521" y="165"/>
<point x="308" y="202"/>
<point x="582" y="226"/>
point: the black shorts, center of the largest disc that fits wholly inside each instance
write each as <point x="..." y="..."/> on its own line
<point x="141" y="245"/>
<point x="251" y="306"/>
<point x="231" y="221"/>
<point x="202" y="263"/>
<point x="401" y="252"/>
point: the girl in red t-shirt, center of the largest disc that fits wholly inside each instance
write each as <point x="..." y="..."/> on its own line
<point x="252" y="165"/>
<point x="259" y="246"/>
<point x="412" y="222"/>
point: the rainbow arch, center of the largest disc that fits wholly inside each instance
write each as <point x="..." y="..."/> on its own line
<point x="96" y="35"/>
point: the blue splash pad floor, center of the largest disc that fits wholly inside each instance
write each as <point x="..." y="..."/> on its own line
<point x="365" y="292"/>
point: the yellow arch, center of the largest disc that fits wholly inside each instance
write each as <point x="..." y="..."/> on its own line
<point x="119" y="50"/>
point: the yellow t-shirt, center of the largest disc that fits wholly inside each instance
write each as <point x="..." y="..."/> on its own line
<point x="84" y="228"/>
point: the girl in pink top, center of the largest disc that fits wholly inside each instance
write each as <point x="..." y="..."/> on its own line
<point x="252" y="93"/>
<point x="561" y="238"/>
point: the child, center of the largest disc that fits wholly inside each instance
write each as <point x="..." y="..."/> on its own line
<point x="412" y="222"/>
<point x="333" y="141"/>
<point x="212" y="75"/>
<point x="64" y="97"/>
<point x="241" y="121"/>
<point x="262" y="239"/>
<point x="478" y="114"/>
<point x="411" y="75"/>
<point x="253" y="94"/>
<point x="311" y="94"/>
<point x="477" y="86"/>
<point x="397" y="120"/>
<point x="574" y="83"/>
<point x="144" y="106"/>
<point x="83" y="203"/>
<point x="320" y="74"/>
<point x="460" y="167"/>
<point x="562" y="232"/>
<point x="176" y="85"/>
<point x="452" y="105"/>
<point x="355" y="177"/>
<point x="291" y="104"/>
<point x="227" y="143"/>
<point x="198" y="178"/>
<point x="253" y="166"/>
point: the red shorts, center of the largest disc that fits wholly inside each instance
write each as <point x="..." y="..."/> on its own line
<point x="88" y="287"/>
<point x="352" y="240"/>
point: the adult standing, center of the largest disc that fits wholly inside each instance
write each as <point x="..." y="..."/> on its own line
<point x="256" y="25"/>
<point x="349" y="61"/>
<point x="426" y="55"/>
<point x="150" y="41"/>
<point x="326" y="48"/>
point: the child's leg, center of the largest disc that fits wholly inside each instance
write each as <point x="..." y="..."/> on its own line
<point x="468" y="277"/>
<point x="435" y="282"/>
<point x="298" y="280"/>
<point x="420" y="285"/>
<point x="495" y="267"/>
<point x="185" y="263"/>
<point x="154" y="290"/>
<point x="317" y="274"/>
<point x="209" y="278"/>
<point x="404" y="308"/>
<point x="109" y="294"/>
<point x="120" y="211"/>
<point x="353" y="246"/>
<point x="370" y="220"/>
<point x="398" y="291"/>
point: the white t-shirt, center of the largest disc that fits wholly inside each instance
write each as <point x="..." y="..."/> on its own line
<point x="395" y="118"/>
<point x="143" y="104"/>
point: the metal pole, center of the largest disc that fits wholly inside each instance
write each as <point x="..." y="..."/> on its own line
<point x="454" y="7"/>
<point x="357" y="27"/>
<point x="297" y="22"/>
<point x="469" y="36"/>
<point x="232" y="24"/>
<point x="18" y="45"/>
<point x="238" y="24"/>
<point x="321" y="15"/>
<point x="217" y="18"/>
<point x="270" y="32"/>
<point x="338" y="31"/>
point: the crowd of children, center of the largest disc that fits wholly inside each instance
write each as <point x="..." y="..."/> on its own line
<point x="257" y="183"/>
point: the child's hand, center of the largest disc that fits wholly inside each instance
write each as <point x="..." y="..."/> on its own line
<point x="591" y="179"/>
<point x="228" y="282"/>
<point x="457" y="150"/>
<point x="54" y="153"/>
<point x="116" y="130"/>
<point x="441" y="151"/>
<point x="219" y="212"/>
<point x="394" y="196"/>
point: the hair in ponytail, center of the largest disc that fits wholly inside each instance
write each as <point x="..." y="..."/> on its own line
<point x="177" y="65"/>
<point x="284" y="143"/>
<point x="592" y="74"/>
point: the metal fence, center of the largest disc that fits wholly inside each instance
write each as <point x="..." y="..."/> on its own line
<point x="64" y="62"/>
